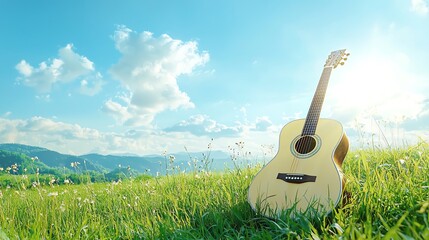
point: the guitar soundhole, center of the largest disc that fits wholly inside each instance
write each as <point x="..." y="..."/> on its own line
<point x="305" y="144"/>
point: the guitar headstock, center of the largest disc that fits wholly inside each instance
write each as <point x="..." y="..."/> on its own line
<point x="336" y="58"/>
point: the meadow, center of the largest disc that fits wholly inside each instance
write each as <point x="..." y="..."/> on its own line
<point x="389" y="199"/>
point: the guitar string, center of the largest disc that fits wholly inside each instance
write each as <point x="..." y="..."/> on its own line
<point x="303" y="142"/>
<point x="311" y="120"/>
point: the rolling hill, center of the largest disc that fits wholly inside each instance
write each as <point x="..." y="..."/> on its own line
<point x="150" y="164"/>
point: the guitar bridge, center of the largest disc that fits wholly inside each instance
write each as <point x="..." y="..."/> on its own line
<point x="296" y="177"/>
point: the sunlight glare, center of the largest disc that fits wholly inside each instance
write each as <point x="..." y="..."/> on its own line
<point x="375" y="86"/>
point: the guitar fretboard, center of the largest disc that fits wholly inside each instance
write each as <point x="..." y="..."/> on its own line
<point x="316" y="105"/>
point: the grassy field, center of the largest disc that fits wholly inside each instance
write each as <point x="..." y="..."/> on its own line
<point x="389" y="200"/>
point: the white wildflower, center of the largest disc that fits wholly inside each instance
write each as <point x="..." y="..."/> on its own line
<point x="74" y="164"/>
<point x="62" y="207"/>
<point x="172" y="158"/>
<point x="52" y="194"/>
<point x="52" y="181"/>
<point x="386" y="165"/>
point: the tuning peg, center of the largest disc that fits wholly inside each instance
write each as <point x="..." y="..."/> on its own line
<point x="342" y="63"/>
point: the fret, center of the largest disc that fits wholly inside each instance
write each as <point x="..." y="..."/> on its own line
<point x="335" y="58"/>
<point x="316" y="105"/>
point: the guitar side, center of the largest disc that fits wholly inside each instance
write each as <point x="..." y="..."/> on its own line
<point x="275" y="187"/>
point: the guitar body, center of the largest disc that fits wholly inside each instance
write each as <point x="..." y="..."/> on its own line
<point x="300" y="179"/>
<point x="306" y="174"/>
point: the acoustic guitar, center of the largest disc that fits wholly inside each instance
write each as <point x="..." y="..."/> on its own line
<point x="305" y="175"/>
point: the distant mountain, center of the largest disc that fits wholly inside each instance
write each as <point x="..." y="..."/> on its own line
<point x="50" y="158"/>
<point x="158" y="163"/>
<point x="150" y="164"/>
<point x="218" y="160"/>
<point x="19" y="163"/>
<point x="20" y="148"/>
<point x="110" y="162"/>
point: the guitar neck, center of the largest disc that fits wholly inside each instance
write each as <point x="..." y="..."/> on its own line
<point x="316" y="105"/>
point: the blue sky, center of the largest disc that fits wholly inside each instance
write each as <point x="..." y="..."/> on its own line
<point x="146" y="77"/>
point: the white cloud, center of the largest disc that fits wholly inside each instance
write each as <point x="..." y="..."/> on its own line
<point x="75" y="139"/>
<point x="195" y="133"/>
<point x="48" y="127"/>
<point x="419" y="6"/>
<point x="263" y="124"/>
<point x="74" y="65"/>
<point x="202" y="125"/>
<point x="44" y="97"/>
<point x="421" y="122"/>
<point x="41" y="78"/>
<point x="46" y="132"/>
<point x="26" y="69"/>
<point x="148" y="69"/>
<point x="69" y="66"/>
<point x="256" y="132"/>
<point x="91" y="85"/>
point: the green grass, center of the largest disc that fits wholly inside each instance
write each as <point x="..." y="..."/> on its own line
<point x="389" y="200"/>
